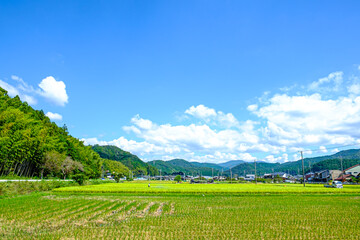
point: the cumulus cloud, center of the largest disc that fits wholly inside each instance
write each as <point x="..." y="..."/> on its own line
<point x="190" y="137"/>
<point x="192" y="142"/>
<point x="201" y="111"/>
<point x="310" y="120"/>
<point x="210" y="116"/>
<point x="54" y="116"/>
<point x="54" y="90"/>
<point x="281" y="125"/>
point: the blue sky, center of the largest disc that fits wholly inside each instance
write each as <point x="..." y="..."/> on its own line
<point x="201" y="80"/>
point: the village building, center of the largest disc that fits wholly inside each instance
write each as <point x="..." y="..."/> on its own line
<point x="354" y="170"/>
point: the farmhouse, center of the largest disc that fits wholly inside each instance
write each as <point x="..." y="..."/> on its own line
<point x="344" y="177"/>
<point x="322" y="176"/>
<point x="335" y="174"/>
<point x="354" y="170"/>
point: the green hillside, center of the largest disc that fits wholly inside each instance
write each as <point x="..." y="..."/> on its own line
<point x="230" y="164"/>
<point x="332" y="162"/>
<point x="131" y="161"/>
<point x="181" y="165"/>
<point x="31" y="145"/>
<point x="335" y="164"/>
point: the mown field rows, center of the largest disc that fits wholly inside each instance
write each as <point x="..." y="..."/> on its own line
<point x="180" y="216"/>
<point x="171" y="187"/>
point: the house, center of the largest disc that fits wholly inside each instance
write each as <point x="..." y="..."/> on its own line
<point x="268" y="175"/>
<point x="322" y="176"/>
<point x="344" y="177"/>
<point x="220" y="178"/>
<point x="354" y="170"/>
<point x="309" y="176"/>
<point x="249" y="177"/>
<point x="282" y="175"/>
<point x="335" y="174"/>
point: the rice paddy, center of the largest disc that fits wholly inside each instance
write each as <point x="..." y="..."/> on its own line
<point x="172" y="187"/>
<point x="187" y="215"/>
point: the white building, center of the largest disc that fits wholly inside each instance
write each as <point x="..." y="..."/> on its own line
<point x="354" y="170"/>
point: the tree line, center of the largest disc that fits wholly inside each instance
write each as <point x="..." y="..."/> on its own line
<point x="33" y="146"/>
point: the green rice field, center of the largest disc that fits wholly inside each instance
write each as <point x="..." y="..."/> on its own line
<point x="172" y="187"/>
<point x="134" y="211"/>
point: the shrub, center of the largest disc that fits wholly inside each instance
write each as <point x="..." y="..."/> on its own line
<point x="79" y="178"/>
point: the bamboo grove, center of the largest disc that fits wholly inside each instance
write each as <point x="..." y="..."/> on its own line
<point x="33" y="146"/>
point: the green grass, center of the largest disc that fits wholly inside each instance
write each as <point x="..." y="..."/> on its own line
<point x="179" y="216"/>
<point x="171" y="187"/>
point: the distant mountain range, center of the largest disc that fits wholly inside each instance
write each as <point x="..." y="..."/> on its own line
<point x="231" y="164"/>
<point x="238" y="167"/>
<point x="332" y="162"/>
<point x="181" y="165"/>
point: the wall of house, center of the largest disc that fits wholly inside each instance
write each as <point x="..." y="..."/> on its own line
<point x="353" y="171"/>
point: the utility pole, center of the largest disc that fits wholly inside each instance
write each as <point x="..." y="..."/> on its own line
<point x="255" y="171"/>
<point x="341" y="163"/>
<point x="302" y="161"/>
<point x="160" y="174"/>
<point x="230" y="176"/>
<point x="212" y="174"/>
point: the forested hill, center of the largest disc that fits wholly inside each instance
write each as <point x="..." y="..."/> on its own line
<point x="181" y="165"/>
<point x="129" y="160"/>
<point x="230" y="164"/>
<point x="32" y="145"/>
<point x="349" y="158"/>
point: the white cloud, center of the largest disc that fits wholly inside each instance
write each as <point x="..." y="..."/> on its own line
<point x="191" y="137"/>
<point x="335" y="150"/>
<point x="12" y="91"/>
<point x="142" y="123"/>
<point x="323" y="149"/>
<point x="54" y="116"/>
<point x="29" y="99"/>
<point x="93" y="141"/>
<point x="252" y="107"/>
<point x="201" y="111"/>
<point x="22" y="85"/>
<point x="354" y="89"/>
<point x="282" y="125"/>
<point x="54" y="90"/>
<point x="210" y="116"/>
<point x="330" y="83"/>
<point x="310" y="120"/>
